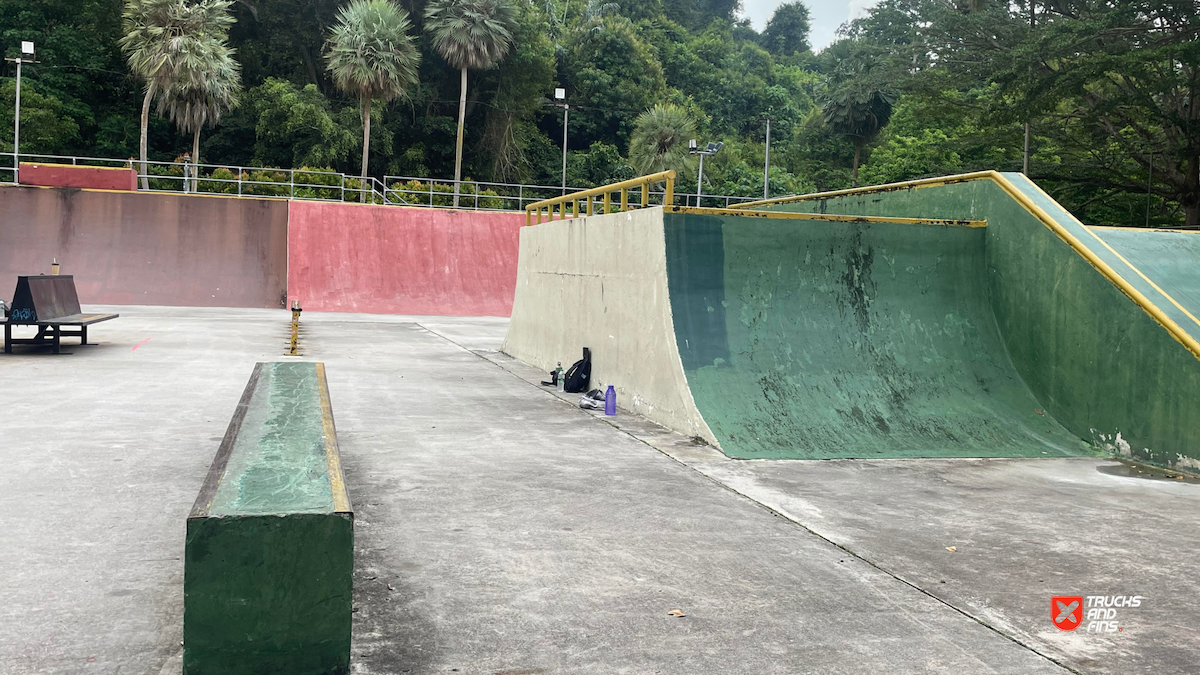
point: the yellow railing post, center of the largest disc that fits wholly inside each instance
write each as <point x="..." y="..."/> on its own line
<point x="585" y="200"/>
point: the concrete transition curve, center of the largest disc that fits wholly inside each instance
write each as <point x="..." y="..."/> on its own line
<point x="399" y="260"/>
<point x="130" y="248"/>
<point x="158" y="248"/>
<point x="963" y="317"/>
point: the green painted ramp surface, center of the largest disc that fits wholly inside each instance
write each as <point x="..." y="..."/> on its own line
<point x="1169" y="267"/>
<point x="810" y="339"/>
<point x="1095" y="359"/>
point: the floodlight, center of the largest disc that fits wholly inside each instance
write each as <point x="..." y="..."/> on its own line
<point x="692" y="144"/>
<point x="27" y="48"/>
<point x="560" y="93"/>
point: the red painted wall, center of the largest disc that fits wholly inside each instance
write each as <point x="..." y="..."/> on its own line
<point x="66" y="175"/>
<point x="137" y="248"/>
<point x="398" y="260"/>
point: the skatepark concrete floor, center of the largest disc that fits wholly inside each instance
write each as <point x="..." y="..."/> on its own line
<point x="501" y="529"/>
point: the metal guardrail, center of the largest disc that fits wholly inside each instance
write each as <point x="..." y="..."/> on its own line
<point x="307" y="184"/>
<point x="605" y="192"/>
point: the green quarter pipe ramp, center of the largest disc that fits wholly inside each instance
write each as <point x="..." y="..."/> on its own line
<point x="949" y="318"/>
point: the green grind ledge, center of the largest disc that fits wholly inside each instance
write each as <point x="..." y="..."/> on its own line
<point x="270" y="542"/>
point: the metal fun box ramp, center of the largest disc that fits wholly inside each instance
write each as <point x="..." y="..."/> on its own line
<point x="968" y="316"/>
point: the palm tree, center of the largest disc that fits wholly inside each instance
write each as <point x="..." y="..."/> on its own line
<point x="171" y="41"/>
<point x="371" y="56"/>
<point x="659" y="139"/>
<point x="469" y="35"/>
<point x="858" y="100"/>
<point x="190" y="106"/>
<point x="859" y="112"/>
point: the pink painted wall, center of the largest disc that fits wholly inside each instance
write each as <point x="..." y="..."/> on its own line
<point x="398" y="260"/>
<point x="145" y="248"/>
<point x="65" y="175"/>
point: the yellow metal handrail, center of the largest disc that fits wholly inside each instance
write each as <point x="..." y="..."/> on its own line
<point x="604" y="191"/>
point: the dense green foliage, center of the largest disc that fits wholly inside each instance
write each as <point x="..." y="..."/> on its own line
<point x="371" y="56"/>
<point x="1109" y="90"/>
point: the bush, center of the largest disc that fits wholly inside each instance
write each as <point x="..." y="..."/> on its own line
<point x="223" y="181"/>
<point x="418" y="193"/>
<point x="310" y="180"/>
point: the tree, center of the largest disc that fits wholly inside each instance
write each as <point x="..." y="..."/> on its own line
<point x="298" y="127"/>
<point x="469" y="35"/>
<point x="659" y="140"/>
<point x="858" y="112"/>
<point x="192" y="105"/>
<point x="46" y="124"/>
<point x="521" y="83"/>
<point x="858" y="100"/>
<point x="1118" y="85"/>
<point x="613" y="76"/>
<point x="371" y="56"/>
<point x="171" y="42"/>
<point x="787" y="31"/>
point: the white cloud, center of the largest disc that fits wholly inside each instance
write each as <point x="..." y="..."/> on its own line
<point x="826" y="15"/>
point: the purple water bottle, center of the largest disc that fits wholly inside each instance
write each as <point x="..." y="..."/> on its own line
<point x="610" y="401"/>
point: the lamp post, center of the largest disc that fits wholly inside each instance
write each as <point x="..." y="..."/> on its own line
<point x="767" y="164"/>
<point x="709" y="150"/>
<point x="560" y="94"/>
<point x="25" y="57"/>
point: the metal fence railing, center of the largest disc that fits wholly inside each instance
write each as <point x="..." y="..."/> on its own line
<point x="588" y="202"/>
<point x="268" y="182"/>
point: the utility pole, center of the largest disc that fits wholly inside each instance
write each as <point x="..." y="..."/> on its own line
<point x="26" y="51"/>
<point x="710" y="149"/>
<point x="1028" y="134"/>
<point x="767" y="164"/>
<point x="560" y="94"/>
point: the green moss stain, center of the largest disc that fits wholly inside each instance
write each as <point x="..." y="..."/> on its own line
<point x="278" y="464"/>
<point x="853" y="340"/>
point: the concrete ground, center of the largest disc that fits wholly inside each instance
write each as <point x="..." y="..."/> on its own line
<point x="500" y="529"/>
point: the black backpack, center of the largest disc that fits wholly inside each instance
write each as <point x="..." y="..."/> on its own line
<point x="577" y="376"/>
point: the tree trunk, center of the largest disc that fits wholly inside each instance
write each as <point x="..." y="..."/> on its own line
<point x="462" y="115"/>
<point x="145" y="124"/>
<point x="857" y="154"/>
<point x="366" y="146"/>
<point x="1025" y="163"/>
<point x="196" y="160"/>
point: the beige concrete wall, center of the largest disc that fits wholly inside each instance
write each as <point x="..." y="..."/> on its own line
<point x="601" y="282"/>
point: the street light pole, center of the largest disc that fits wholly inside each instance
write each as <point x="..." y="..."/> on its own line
<point x="767" y="164"/>
<point x="561" y="95"/>
<point x="26" y="50"/>
<point x="710" y="149"/>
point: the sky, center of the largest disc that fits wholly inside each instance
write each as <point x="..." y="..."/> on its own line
<point x="826" y="15"/>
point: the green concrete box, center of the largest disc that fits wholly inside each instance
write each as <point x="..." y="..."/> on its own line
<point x="270" y="541"/>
